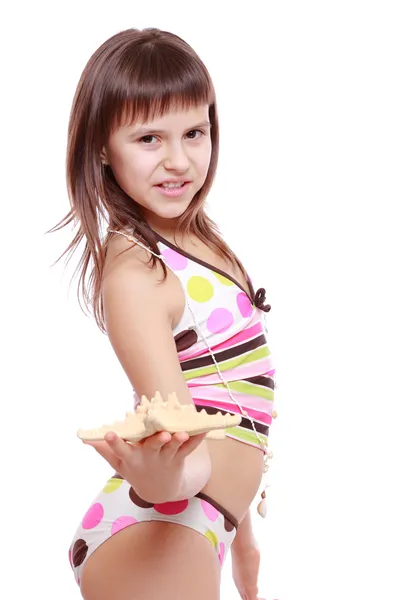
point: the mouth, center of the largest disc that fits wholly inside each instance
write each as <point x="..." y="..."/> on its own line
<point x="172" y="185"/>
<point x="174" y="190"/>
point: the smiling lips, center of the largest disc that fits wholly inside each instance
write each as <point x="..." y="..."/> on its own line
<point x="173" y="181"/>
<point x="173" y="189"/>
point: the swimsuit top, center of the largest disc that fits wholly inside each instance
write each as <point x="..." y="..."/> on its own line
<point x="221" y="340"/>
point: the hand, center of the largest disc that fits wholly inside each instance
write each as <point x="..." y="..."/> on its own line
<point x="154" y="466"/>
<point x="245" y="568"/>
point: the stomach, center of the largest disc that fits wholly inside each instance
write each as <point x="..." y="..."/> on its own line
<point x="236" y="474"/>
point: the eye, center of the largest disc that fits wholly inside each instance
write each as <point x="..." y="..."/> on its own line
<point x="146" y="137"/>
<point x="194" y="131"/>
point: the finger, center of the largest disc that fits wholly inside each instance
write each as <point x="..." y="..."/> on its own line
<point x="121" y="449"/>
<point x="156" y="441"/>
<point x="191" y="444"/>
<point x="170" y="449"/>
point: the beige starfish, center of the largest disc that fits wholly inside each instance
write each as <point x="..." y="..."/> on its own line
<point x="156" y="414"/>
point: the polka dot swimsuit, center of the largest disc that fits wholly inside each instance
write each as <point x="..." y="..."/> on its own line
<point x="221" y="316"/>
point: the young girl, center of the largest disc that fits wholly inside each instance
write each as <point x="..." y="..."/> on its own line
<point x="182" y="316"/>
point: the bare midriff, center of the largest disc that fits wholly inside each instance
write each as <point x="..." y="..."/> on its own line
<point x="235" y="476"/>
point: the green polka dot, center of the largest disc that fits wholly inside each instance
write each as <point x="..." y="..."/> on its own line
<point x="223" y="280"/>
<point x="210" y="535"/>
<point x="200" y="289"/>
<point x="112" y="485"/>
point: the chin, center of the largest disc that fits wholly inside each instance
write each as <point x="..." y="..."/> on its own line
<point x="170" y="209"/>
<point x="171" y="213"/>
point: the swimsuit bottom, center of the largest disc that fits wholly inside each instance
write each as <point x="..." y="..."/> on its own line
<point x="118" y="506"/>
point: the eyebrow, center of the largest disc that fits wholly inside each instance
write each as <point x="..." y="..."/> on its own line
<point x="150" y="130"/>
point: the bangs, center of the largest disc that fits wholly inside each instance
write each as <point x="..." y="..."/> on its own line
<point x="152" y="85"/>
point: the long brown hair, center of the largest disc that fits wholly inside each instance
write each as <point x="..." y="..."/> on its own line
<point x="134" y="75"/>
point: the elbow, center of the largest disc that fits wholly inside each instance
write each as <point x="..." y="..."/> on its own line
<point x="201" y="465"/>
<point x="197" y="473"/>
<point x="204" y="473"/>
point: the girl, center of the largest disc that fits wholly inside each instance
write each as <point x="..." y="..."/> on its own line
<point x="182" y="316"/>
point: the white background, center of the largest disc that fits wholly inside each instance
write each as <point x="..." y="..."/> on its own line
<point x="307" y="194"/>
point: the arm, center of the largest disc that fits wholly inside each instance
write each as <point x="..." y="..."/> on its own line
<point x="138" y="313"/>
<point x="244" y="538"/>
<point x="246" y="560"/>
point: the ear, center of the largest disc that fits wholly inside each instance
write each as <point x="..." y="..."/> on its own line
<point x="103" y="156"/>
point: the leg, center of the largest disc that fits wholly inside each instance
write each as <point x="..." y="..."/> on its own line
<point x="157" y="560"/>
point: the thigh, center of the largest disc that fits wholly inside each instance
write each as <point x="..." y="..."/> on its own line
<point x="157" y="560"/>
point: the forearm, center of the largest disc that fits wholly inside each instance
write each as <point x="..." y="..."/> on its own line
<point x="245" y="538"/>
<point x="246" y="560"/>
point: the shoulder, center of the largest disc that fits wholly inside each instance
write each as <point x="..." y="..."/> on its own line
<point x="132" y="283"/>
<point x="124" y="252"/>
<point x="130" y="273"/>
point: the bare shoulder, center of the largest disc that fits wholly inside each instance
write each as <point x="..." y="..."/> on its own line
<point x="130" y="273"/>
<point x="124" y="253"/>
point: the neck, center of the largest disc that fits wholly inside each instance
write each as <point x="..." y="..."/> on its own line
<point x="167" y="228"/>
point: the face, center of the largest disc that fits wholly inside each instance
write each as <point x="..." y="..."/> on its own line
<point x="173" y="148"/>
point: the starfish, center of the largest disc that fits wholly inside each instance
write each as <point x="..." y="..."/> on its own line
<point x="156" y="415"/>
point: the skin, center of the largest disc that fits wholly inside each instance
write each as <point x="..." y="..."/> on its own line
<point x="159" y="457"/>
<point x="142" y="157"/>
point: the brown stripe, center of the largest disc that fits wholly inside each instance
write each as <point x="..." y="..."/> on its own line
<point x="260" y="380"/>
<point x="205" y="361"/>
<point x="245" y="422"/>
<point x="221" y="509"/>
<point x="185" y="339"/>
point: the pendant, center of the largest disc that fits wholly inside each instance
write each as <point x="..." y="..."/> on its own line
<point x="262" y="507"/>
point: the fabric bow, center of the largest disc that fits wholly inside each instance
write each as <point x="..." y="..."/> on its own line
<point x="259" y="300"/>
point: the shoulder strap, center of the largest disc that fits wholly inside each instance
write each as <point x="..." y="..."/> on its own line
<point x="133" y="239"/>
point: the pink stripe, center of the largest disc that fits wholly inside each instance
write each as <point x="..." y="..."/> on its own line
<point x="259" y="367"/>
<point x="233" y="408"/>
<point x="220" y="395"/>
<point x="189" y="353"/>
<point x="242" y="336"/>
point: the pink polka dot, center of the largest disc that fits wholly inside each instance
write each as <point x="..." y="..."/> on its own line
<point x="175" y="261"/>
<point x="79" y="581"/>
<point x="93" y="516"/>
<point x="221" y="552"/>
<point x="220" y="320"/>
<point x="244" y="305"/>
<point x="171" y="508"/>
<point x="209" y="510"/>
<point x="121" y="523"/>
<point x="70" y="558"/>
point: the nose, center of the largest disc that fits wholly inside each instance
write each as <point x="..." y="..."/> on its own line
<point x="176" y="158"/>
